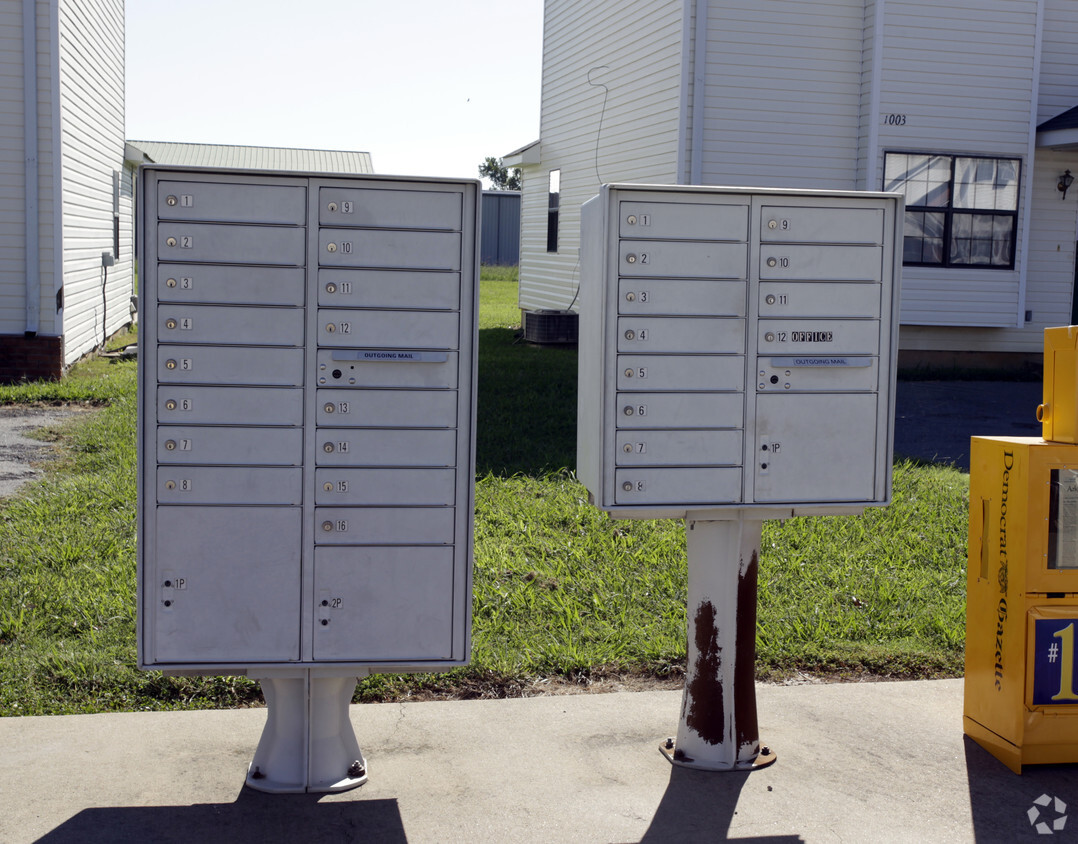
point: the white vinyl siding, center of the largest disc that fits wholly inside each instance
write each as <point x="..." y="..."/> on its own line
<point x="638" y="140"/>
<point x="782" y="105"/>
<point x="12" y="171"/>
<point x="92" y="117"/>
<point x="1059" y="60"/>
<point x="961" y="76"/>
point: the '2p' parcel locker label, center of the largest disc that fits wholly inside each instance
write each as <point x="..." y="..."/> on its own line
<point x="1055" y="661"/>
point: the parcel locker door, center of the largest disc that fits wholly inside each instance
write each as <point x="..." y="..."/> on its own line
<point x="384" y="604"/>
<point x="815" y="447"/>
<point x="221" y="594"/>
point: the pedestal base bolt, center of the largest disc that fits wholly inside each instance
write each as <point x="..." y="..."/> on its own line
<point x="357" y="769"/>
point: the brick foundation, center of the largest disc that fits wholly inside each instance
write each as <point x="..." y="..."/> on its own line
<point x="30" y="358"/>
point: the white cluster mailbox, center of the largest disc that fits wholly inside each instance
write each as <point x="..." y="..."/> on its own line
<point x="307" y="428"/>
<point x="737" y="363"/>
<point x="736" y="349"/>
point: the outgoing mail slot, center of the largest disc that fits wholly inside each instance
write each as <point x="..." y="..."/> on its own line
<point x="684" y="259"/>
<point x="384" y="525"/>
<point x="675" y="486"/>
<point x="434" y="291"/>
<point x="387" y="408"/>
<point x="375" y="208"/>
<point x="230" y="365"/>
<point x="681" y="372"/>
<point x="393" y="603"/>
<point x="183" y="405"/>
<point x="820" y="299"/>
<point x="229" y="485"/>
<point x="679" y="410"/>
<point x="818" y="337"/>
<point x="230" y="325"/>
<point x="678" y="448"/>
<point x="826" y="263"/>
<point x="253" y="574"/>
<point x="230" y="446"/>
<point x="385" y="487"/>
<point x="386" y="368"/>
<point x="684" y="221"/>
<point x="821" y="224"/>
<point x="220" y="244"/>
<point x="818" y="373"/>
<point x="403" y="249"/>
<point x="230" y="285"/>
<point x="694" y="297"/>
<point x="388" y="329"/>
<point x="801" y="467"/>
<point x="684" y="335"/>
<point x="386" y="447"/>
<point x="232" y="203"/>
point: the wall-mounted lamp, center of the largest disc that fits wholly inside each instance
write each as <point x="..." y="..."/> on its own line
<point x="1065" y="181"/>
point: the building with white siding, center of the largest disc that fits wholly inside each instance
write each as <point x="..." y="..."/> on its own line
<point x="66" y="193"/>
<point x="961" y="106"/>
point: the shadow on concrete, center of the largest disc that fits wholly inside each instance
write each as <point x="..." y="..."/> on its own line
<point x="700" y="806"/>
<point x="1000" y="800"/>
<point x="253" y="817"/>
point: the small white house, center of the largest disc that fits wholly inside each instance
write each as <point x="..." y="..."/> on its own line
<point x="966" y="107"/>
<point x="66" y="241"/>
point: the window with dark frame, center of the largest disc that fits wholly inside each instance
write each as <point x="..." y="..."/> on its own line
<point x="961" y="210"/>
<point x="553" y="201"/>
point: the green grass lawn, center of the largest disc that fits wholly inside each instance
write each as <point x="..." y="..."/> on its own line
<point x="562" y="592"/>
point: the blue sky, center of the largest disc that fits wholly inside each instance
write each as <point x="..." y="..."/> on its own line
<point x="427" y="88"/>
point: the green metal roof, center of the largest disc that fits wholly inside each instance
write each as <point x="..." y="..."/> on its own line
<point x="254" y="158"/>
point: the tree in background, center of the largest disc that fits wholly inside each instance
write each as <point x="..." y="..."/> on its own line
<point x="500" y="176"/>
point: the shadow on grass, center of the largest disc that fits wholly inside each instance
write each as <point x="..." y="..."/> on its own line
<point x="527" y="406"/>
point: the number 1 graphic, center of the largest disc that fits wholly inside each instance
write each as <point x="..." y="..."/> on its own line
<point x="1066" y="667"/>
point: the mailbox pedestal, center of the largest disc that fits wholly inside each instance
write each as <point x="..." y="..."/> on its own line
<point x="718" y="729"/>
<point x="737" y="363"/>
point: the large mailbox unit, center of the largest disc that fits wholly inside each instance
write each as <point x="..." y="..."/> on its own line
<point x="307" y="421"/>
<point x="737" y="349"/>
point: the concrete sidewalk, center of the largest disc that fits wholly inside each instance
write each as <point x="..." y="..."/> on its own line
<point x="856" y="762"/>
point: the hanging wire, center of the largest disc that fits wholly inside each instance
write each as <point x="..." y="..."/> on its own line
<point x="602" y="113"/>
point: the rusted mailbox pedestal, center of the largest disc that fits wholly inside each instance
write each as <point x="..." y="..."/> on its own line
<point x="737" y="352"/>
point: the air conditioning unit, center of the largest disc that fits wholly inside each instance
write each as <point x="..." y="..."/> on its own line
<point x="550" y="327"/>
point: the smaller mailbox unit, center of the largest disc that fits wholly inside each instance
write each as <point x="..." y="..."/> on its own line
<point x="736" y="349"/>
<point x="737" y="363"/>
<point x="306" y="437"/>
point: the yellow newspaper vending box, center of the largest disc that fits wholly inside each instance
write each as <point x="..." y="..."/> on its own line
<point x="1058" y="413"/>
<point x="1021" y="692"/>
